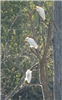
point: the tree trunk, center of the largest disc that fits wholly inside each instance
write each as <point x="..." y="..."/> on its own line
<point x="45" y="90"/>
<point x="57" y="46"/>
<point x="43" y="79"/>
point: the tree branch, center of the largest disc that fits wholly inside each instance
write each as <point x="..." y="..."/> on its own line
<point x="48" y="41"/>
<point x="30" y="18"/>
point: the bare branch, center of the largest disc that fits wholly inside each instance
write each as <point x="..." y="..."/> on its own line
<point x="12" y="24"/>
<point x="48" y="40"/>
<point x="30" y="18"/>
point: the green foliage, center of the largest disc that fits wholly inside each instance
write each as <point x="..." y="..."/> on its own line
<point x="16" y="54"/>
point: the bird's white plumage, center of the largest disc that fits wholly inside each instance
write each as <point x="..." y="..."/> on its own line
<point x="32" y="42"/>
<point x="41" y="12"/>
<point x="28" y="76"/>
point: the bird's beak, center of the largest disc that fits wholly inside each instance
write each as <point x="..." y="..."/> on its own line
<point x="35" y="8"/>
<point x="25" y="40"/>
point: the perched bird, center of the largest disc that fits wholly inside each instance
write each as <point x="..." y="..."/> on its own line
<point x="32" y="42"/>
<point x="28" y="76"/>
<point x="41" y="12"/>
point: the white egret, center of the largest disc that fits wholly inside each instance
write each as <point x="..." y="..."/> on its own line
<point x="32" y="42"/>
<point x="41" y="12"/>
<point x="28" y="76"/>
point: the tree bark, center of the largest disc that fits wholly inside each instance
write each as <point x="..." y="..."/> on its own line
<point x="57" y="46"/>
<point x="45" y="89"/>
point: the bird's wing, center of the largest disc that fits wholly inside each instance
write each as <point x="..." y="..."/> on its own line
<point x="33" y="43"/>
<point x="42" y="13"/>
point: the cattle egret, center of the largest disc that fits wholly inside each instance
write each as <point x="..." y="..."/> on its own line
<point x="41" y="12"/>
<point x="28" y="76"/>
<point x="31" y="42"/>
